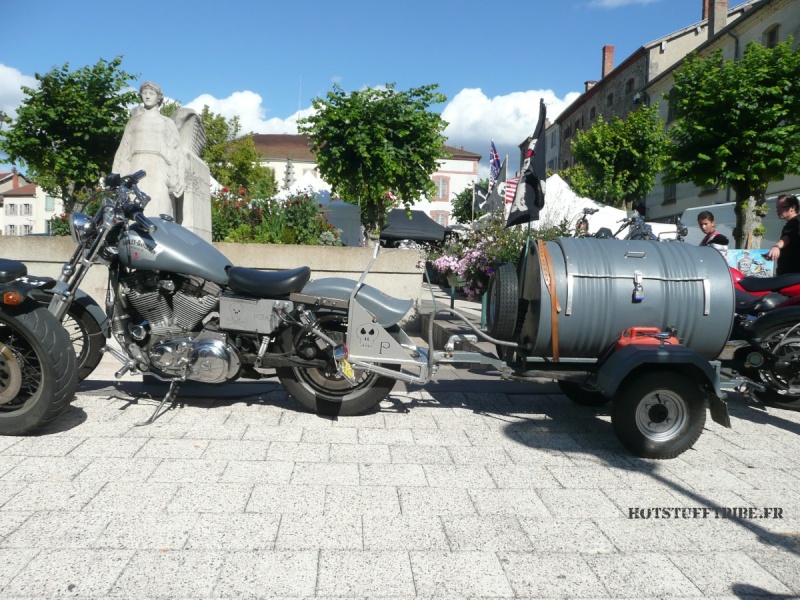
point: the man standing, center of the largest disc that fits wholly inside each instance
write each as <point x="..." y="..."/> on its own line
<point x="786" y="251"/>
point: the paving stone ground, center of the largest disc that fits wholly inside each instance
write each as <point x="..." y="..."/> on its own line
<point x="470" y="488"/>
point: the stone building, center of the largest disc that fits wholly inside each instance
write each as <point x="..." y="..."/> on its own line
<point x="24" y="207"/>
<point x="767" y="22"/>
<point x="622" y="88"/>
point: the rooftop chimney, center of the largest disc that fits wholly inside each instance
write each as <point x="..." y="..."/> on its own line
<point x="14" y="178"/>
<point x="608" y="59"/>
<point x="717" y="16"/>
<point x="588" y="85"/>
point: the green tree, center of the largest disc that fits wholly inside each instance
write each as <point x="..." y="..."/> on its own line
<point x="616" y="162"/>
<point x="69" y="126"/>
<point x="233" y="159"/>
<point x="462" y="203"/>
<point x="375" y="141"/>
<point x="739" y="126"/>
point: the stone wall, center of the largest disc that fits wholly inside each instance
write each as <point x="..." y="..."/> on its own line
<point x="395" y="272"/>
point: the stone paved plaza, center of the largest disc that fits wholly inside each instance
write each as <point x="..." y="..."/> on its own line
<point x="469" y="488"/>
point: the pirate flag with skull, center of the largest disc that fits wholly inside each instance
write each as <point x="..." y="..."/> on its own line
<point x="529" y="197"/>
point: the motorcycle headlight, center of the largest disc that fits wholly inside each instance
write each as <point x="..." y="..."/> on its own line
<point x="81" y="227"/>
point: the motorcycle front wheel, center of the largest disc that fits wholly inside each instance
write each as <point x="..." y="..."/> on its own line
<point x="37" y="368"/>
<point x="85" y="334"/>
<point x="323" y="390"/>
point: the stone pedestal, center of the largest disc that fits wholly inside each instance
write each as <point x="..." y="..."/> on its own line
<point x="194" y="207"/>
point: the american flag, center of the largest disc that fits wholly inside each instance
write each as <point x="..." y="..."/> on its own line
<point x="494" y="165"/>
<point x="511" y="189"/>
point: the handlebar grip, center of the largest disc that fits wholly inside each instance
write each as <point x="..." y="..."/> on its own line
<point x="146" y="223"/>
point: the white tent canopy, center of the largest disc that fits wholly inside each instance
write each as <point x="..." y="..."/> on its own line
<point x="561" y="204"/>
<point x="308" y="183"/>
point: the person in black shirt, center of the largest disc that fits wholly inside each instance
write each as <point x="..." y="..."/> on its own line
<point x="786" y="251"/>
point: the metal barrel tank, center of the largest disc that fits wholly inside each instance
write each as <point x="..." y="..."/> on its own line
<point x="604" y="287"/>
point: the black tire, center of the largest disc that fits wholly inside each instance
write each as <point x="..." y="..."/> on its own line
<point x="324" y="391"/>
<point x="581" y="393"/>
<point x="783" y="340"/>
<point x="659" y="415"/>
<point x="37" y="359"/>
<point x="502" y="302"/>
<point x="84" y="332"/>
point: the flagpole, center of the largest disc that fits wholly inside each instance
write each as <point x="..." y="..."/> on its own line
<point x="472" y="221"/>
<point x="504" y="192"/>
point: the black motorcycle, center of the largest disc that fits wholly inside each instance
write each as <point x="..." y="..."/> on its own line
<point x="38" y="372"/>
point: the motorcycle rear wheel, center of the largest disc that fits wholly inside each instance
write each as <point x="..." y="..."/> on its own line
<point x="324" y="391"/>
<point x="37" y="368"/>
<point x="783" y="339"/>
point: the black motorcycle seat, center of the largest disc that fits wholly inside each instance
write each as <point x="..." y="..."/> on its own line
<point x="267" y="284"/>
<point x="746" y="304"/>
<point x="11" y="270"/>
<point x="769" y="284"/>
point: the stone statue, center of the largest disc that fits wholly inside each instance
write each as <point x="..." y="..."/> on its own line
<point x="151" y="142"/>
<point x="169" y="150"/>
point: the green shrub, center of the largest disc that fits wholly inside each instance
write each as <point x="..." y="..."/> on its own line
<point x="297" y="220"/>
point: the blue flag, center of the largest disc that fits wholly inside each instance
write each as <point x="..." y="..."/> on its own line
<point x="494" y="165"/>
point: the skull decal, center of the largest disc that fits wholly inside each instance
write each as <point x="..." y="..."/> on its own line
<point x="366" y="335"/>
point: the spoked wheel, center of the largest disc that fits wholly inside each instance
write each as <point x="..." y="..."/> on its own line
<point x="781" y="379"/>
<point x="37" y="368"/>
<point x="84" y="332"/>
<point x="582" y="393"/>
<point x="659" y="415"/>
<point x="324" y="390"/>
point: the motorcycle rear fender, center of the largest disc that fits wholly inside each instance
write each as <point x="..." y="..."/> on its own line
<point x="640" y="357"/>
<point x="86" y="301"/>
<point x="386" y="310"/>
<point x="788" y="314"/>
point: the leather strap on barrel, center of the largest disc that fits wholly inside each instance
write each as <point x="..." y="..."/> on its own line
<point x="546" y="264"/>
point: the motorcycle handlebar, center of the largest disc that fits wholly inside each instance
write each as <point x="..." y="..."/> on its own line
<point x="148" y="225"/>
<point x="115" y="179"/>
<point x="134" y="212"/>
<point x="134" y="178"/>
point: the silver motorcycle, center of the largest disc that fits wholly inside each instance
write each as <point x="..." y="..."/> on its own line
<point x="180" y="311"/>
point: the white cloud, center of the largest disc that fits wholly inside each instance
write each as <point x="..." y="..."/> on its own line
<point x="11" y="82"/>
<point x="474" y="120"/>
<point x="248" y="106"/>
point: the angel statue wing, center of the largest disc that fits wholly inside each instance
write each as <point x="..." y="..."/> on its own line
<point x="192" y="132"/>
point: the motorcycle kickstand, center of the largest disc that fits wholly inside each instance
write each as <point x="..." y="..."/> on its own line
<point x="172" y="393"/>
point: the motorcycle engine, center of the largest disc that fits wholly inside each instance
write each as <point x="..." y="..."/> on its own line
<point x="170" y="333"/>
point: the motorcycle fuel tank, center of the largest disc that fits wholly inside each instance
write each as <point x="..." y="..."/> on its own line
<point x="172" y="248"/>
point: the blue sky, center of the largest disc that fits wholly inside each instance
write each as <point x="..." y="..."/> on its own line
<point x="265" y="61"/>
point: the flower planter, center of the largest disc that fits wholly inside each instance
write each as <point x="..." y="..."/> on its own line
<point x="453" y="280"/>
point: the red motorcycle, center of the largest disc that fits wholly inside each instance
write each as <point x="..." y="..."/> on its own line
<point x="768" y="318"/>
<point x="758" y="295"/>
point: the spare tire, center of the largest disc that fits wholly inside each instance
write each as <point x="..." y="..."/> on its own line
<point x="502" y="300"/>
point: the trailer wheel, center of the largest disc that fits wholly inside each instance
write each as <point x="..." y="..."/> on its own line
<point x="659" y="415"/>
<point x="582" y="393"/>
<point x="502" y="302"/>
